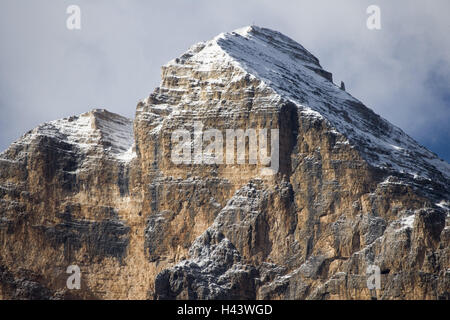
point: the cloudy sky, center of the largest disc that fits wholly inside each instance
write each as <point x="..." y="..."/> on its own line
<point x="48" y="72"/>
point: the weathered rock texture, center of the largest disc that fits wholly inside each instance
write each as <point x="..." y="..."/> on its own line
<point x="352" y="191"/>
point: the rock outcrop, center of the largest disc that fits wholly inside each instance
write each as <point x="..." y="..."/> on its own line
<point x="351" y="191"/>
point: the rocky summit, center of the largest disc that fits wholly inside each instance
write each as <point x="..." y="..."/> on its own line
<point x="354" y="198"/>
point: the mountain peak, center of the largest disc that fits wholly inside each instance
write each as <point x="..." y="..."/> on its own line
<point x="350" y="191"/>
<point x="293" y="74"/>
<point x="264" y="43"/>
<point x="274" y="39"/>
<point x="94" y="132"/>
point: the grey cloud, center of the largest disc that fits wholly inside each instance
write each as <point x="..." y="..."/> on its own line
<point x="49" y="72"/>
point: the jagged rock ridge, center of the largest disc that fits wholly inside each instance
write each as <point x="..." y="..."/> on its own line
<point x="352" y="191"/>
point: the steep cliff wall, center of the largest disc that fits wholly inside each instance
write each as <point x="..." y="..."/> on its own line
<point x="103" y="192"/>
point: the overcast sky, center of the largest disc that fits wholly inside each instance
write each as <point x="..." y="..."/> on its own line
<point x="48" y="72"/>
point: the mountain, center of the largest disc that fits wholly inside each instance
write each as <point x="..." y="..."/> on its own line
<point x="350" y="192"/>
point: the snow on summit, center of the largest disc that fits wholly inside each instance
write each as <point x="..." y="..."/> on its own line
<point x="295" y="75"/>
<point x="92" y="133"/>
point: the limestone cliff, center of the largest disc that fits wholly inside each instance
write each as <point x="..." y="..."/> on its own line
<point x="103" y="192"/>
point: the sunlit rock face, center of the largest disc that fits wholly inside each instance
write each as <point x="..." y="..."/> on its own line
<point x="351" y="192"/>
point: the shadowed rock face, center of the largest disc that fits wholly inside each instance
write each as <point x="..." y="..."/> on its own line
<point x="100" y="191"/>
<point x="213" y="272"/>
<point x="107" y="237"/>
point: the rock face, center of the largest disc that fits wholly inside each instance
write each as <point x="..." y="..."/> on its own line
<point x="102" y="192"/>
